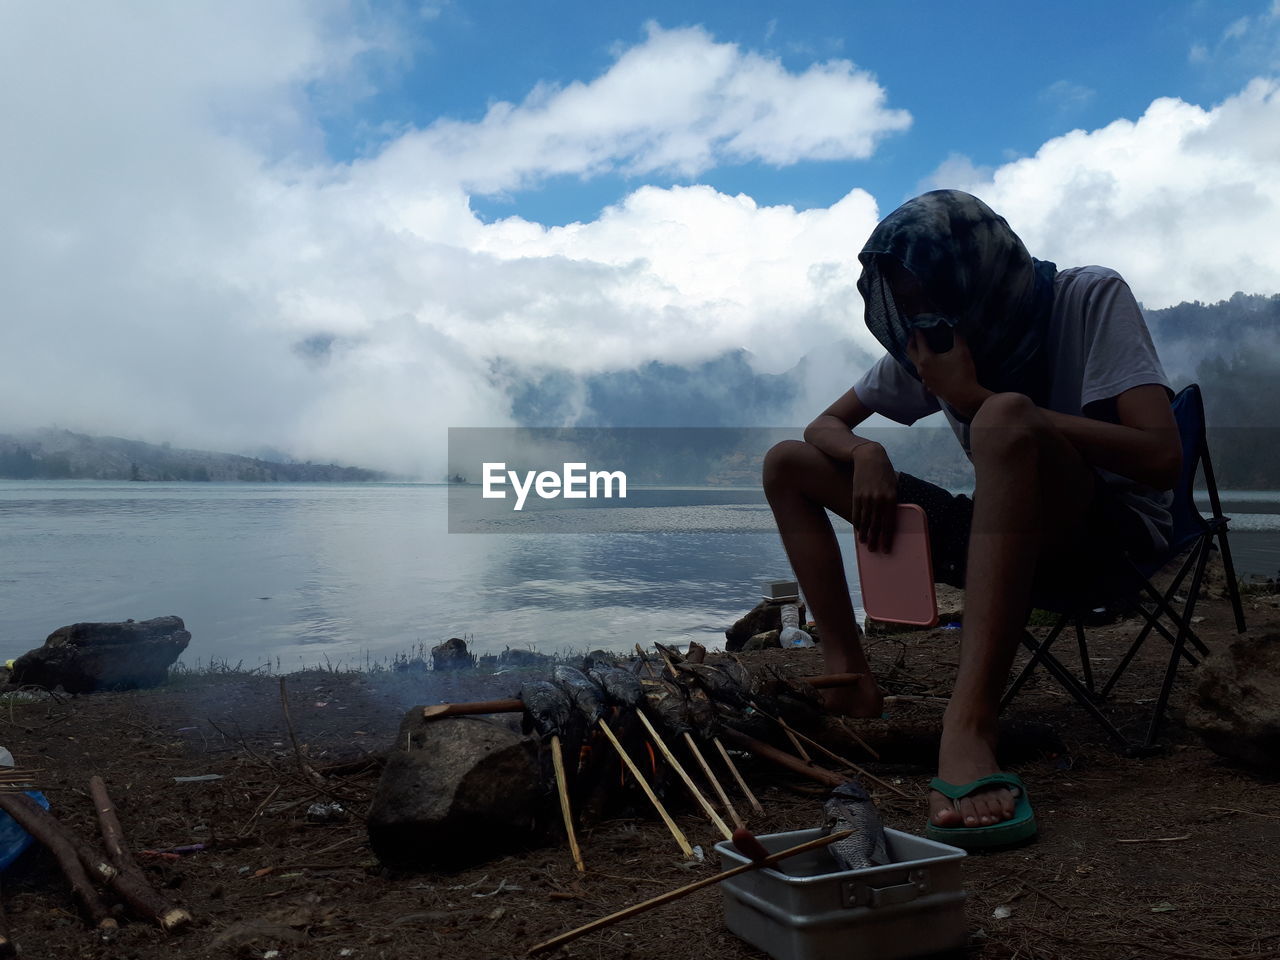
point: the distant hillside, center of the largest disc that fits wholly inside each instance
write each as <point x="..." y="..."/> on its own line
<point x="61" y="454"/>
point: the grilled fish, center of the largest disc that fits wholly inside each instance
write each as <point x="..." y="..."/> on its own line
<point x="586" y="696"/>
<point x="547" y="706"/>
<point x="850" y="808"/>
<point x="620" y="687"/>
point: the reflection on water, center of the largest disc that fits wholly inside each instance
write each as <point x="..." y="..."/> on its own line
<point x="343" y="571"/>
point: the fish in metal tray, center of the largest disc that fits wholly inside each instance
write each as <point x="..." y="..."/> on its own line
<point x="850" y="808"/>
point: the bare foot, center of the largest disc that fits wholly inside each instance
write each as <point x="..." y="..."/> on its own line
<point x="965" y="756"/>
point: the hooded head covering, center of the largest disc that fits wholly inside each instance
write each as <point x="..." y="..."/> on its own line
<point x="977" y="273"/>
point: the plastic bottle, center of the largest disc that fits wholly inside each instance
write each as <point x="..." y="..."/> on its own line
<point x="791" y="635"/>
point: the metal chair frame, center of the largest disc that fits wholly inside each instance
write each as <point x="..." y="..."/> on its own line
<point x="1161" y="613"/>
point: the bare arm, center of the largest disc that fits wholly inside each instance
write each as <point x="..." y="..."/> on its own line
<point x="1144" y="446"/>
<point x="832" y="430"/>
<point x="875" y="482"/>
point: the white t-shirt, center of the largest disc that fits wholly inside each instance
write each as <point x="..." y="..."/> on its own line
<point x="1098" y="346"/>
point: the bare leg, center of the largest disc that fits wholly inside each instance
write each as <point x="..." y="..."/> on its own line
<point x="802" y="483"/>
<point x="1033" y="490"/>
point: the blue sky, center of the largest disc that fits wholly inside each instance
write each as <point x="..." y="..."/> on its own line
<point x="989" y="80"/>
<point x="336" y="227"/>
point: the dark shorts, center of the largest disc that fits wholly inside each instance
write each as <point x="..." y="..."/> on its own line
<point x="1109" y="531"/>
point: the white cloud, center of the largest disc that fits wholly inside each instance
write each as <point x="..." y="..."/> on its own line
<point x="173" y="230"/>
<point x="677" y="103"/>
<point x="1185" y="202"/>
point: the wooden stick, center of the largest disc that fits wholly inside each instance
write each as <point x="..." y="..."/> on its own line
<point x="112" y="835"/>
<point x="130" y="882"/>
<point x="515" y="705"/>
<point x="852" y="766"/>
<point x="510" y="705"/>
<point x="19" y="807"/>
<point x="687" y="889"/>
<point x="92" y="860"/>
<point x="557" y="761"/>
<point x="305" y="767"/>
<point x="737" y="775"/>
<point x="783" y="759"/>
<point x="844" y="725"/>
<point x="715" y="784"/>
<point x="648" y="792"/>
<point x="795" y="742"/>
<point x="684" y="775"/>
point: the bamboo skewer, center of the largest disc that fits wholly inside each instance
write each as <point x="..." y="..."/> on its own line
<point x="737" y="775"/>
<point x="681" y="840"/>
<point x="783" y="759"/>
<point x="844" y="725"/>
<point x="557" y="762"/>
<point x="684" y="775"/>
<point x="715" y="784"/>
<point x="679" y="892"/>
<point x="791" y="735"/>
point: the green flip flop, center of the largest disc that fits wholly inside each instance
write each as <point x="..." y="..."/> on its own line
<point x="1006" y="833"/>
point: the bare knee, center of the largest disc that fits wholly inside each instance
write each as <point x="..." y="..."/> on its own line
<point x="784" y="465"/>
<point x="1007" y="425"/>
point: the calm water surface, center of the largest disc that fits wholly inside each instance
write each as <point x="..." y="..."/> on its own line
<point x="309" y="573"/>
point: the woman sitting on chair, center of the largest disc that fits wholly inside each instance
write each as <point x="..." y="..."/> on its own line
<point x="1051" y="383"/>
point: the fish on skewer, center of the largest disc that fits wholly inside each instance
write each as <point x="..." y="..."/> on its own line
<point x="682" y="710"/>
<point x="549" y="711"/>
<point x="850" y="808"/>
<point x="589" y="700"/>
<point x="624" y="689"/>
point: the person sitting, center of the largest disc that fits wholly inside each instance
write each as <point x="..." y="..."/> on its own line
<point x="1053" y="387"/>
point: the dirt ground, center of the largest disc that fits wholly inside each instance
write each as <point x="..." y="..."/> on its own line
<point x="1173" y="855"/>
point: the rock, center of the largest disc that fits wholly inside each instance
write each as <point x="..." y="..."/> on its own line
<point x="767" y="615"/>
<point x="523" y="658"/>
<point x="454" y="792"/>
<point x="762" y="641"/>
<point x="84" y="657"/>
<point x="452" y="655"/>
<point x="1236" y="706"/>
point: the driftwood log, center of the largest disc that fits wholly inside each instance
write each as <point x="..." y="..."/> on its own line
<point x="130" y="882"/>
<point x="48" y="831"/>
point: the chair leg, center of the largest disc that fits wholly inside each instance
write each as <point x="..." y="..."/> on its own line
<point x="1038" y="652"/>
<point x="1086" y="668"/>
<point x="1184" y="627"/>
<point x="1082" y="696"/>
<point x="1162" y="609"/>
<point x="1233" y="589"/>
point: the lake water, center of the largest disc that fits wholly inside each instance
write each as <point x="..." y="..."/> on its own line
<point x="306" y="574"/>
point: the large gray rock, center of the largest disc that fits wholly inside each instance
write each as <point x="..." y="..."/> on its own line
<point x="453" y="654"/>
<point x="1236" y="707"/>
<point x="454" y="792"/>
<point x="84" y="657"/>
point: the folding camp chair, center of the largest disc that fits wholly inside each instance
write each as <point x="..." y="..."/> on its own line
<point x="1164" y="613"/>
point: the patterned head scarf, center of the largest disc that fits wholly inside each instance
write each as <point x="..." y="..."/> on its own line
<point x="977" y="273"/>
